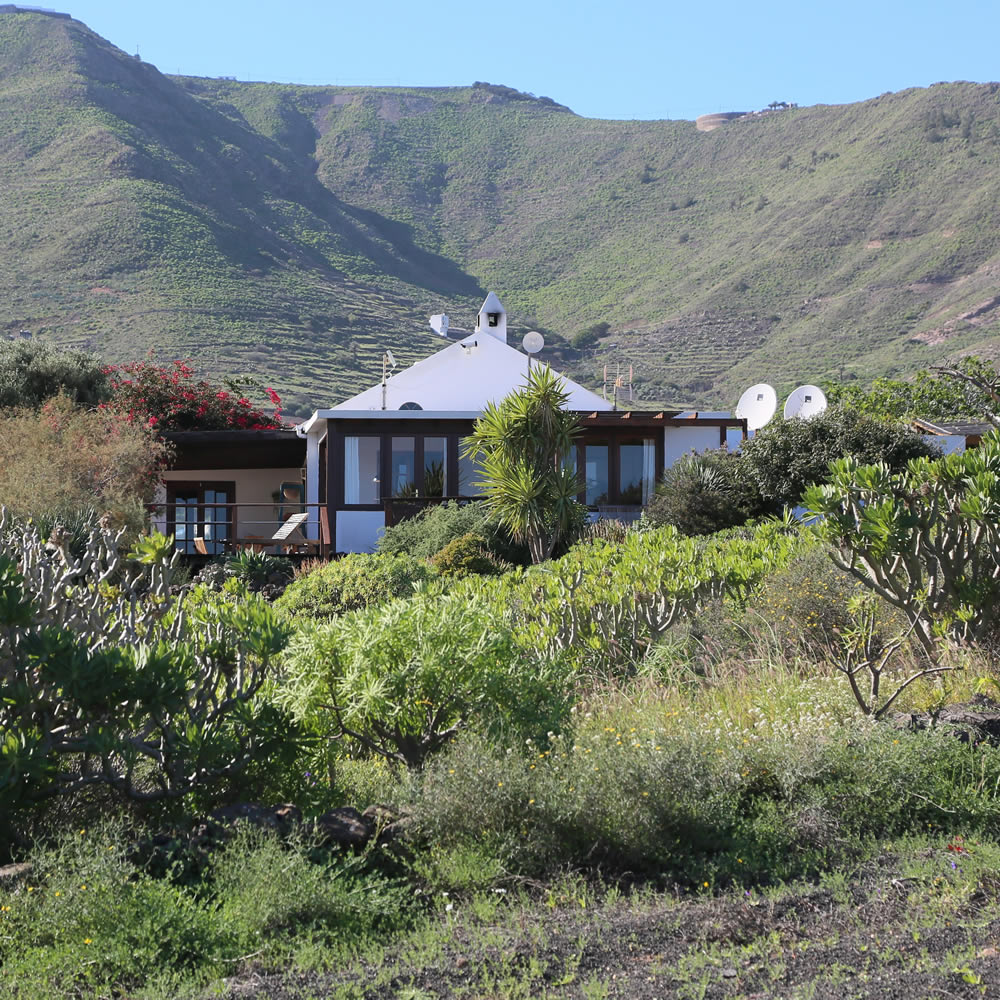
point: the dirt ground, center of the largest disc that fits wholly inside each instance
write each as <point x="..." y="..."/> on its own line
<point x="877" y="935"/>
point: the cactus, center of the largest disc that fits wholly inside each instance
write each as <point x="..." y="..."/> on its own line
<point x="105" y="678"/>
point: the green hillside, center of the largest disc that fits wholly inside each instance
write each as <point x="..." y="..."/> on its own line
<point x="297" y="231"/>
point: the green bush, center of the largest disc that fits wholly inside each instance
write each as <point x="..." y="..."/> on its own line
<point x="696" y="797"/>
<point x="430" y="531"/>
<point x="400" y="680"/>
<point x="786" y="456"/>
<point x="90" y="922"/>
<point x="360" y="580"/>
<point x="702" y="494"/>
<point x="107" y="681"/>
<point x="32" y="372"/>
<point x="467" y="555"/>
<point x="590" y="335"/>
<point x="805" y="605"/>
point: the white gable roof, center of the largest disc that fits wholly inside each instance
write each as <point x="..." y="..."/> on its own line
<point x="464" y="376"/>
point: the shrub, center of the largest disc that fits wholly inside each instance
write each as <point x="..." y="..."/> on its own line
<point x="32" y="372"/>
<point x="106" y="681"/>
<point x="697" y="796"/>
<point x="399" y="681"/>
<point x="467" y="555"/>
<point x="431" y="530"/>
<point x="359" y="580"/>
<point x="590" y="335"/>
<point x="786" y="456"/>
<point x="62" y="462"/>
<point x="702" y="494"/>
<point x="806" y="605"/>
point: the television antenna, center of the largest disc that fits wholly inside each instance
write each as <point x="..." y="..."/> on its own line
<point x="805" y="402"/>
<point x="388" y="367"/>
<point x="757" y="405"/>
<point x="618" y="382"/>
<point x="439" y="324"/>
<point x="532" y="343"/>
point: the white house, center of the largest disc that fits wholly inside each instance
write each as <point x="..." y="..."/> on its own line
<point x="395" y="447"/>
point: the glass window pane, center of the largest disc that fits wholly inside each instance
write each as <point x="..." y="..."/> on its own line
<point x="435" y="467"/>
<point x="402" y="473"/>
<point x="469" y="474"/>
<point x="596" y="472"/>
<point x="637" y="470"/>
<point x="362" y="470"/>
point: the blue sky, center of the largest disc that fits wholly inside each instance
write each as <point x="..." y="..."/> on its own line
<point x="633" y="59"/>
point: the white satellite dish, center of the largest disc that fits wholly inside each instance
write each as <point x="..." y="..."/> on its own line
<point x="439" y="324"/>
<point x="805" y="402"/>
<point x="533" y="342"/>
<point x="757" y="405"/>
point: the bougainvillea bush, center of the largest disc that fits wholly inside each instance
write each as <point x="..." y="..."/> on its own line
<point x="172" y="398"/>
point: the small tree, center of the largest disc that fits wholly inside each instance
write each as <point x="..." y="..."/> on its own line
<point x="522" y="446"/>
<point x="926" y="540"/>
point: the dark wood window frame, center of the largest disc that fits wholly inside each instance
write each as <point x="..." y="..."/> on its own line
<point x="177" y="486"/>
<point x="613" y="438"/>
<point x="337" y="487"/>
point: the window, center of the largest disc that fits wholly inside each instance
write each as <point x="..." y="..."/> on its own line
<point x="636" y="470"/>
<point x="469" y="474"/>
<point x="435" y="467"/>
<point x="362" y="470"/>
<point x="595" y="464"/>
<point x="201" y="513"/>
<point x="402" y="467"/>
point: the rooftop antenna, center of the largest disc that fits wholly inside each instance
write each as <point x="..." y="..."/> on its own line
<point x="618" y="382"/>
<point x="805" y="402"/>
<point x="439" y="324"/>
<point x="532" y="343"/>
<point x="388" y="366"/>
<point x="757" y="405"/>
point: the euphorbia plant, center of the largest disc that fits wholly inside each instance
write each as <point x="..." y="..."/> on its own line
<point x="172" y="398"/>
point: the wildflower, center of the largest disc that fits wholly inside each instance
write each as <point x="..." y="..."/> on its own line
<point x="88" y="941"/>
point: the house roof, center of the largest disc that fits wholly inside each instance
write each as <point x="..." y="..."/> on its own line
<point x="464" y="376"/>
<point x="966" y="428"/>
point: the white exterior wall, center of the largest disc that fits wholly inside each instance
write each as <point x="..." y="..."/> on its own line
<point x="252" y="486"/>
<point x="358" y="530"/>
<point x="947" y="444"/>
<point x="679" y="441"/>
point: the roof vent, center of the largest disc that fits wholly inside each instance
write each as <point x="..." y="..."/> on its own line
<point x="411" y="406"/>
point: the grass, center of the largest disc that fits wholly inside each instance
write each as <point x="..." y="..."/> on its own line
<point x="295" y="232"/>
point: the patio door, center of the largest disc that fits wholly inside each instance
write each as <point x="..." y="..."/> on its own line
<point x="201" y="517"/>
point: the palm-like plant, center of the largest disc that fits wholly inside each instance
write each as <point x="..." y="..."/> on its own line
<point x="522" y="446"/>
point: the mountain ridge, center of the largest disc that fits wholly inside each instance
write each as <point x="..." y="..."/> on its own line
<point x="298" y="231"/>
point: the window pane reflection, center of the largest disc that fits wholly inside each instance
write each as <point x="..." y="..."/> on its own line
<point x="637" y="470"/>
<point x="596" y="472"/>
<point x="402" y="471"/>
<point x="435" y="467"/>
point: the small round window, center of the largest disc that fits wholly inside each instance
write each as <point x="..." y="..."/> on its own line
<point x="411" y="406"/>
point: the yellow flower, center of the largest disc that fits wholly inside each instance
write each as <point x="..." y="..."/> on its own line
<point x="31" y="888"/>
<point x="499" y="784"/>
<point x="705" y="884"/>
<point x="87" y="941"/>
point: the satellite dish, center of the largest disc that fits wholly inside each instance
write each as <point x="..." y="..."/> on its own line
<point x="439" y="324"/>
<point x="805" y="402"/>
<point x="533" y="342"/>
<point x="757" y="405"/>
